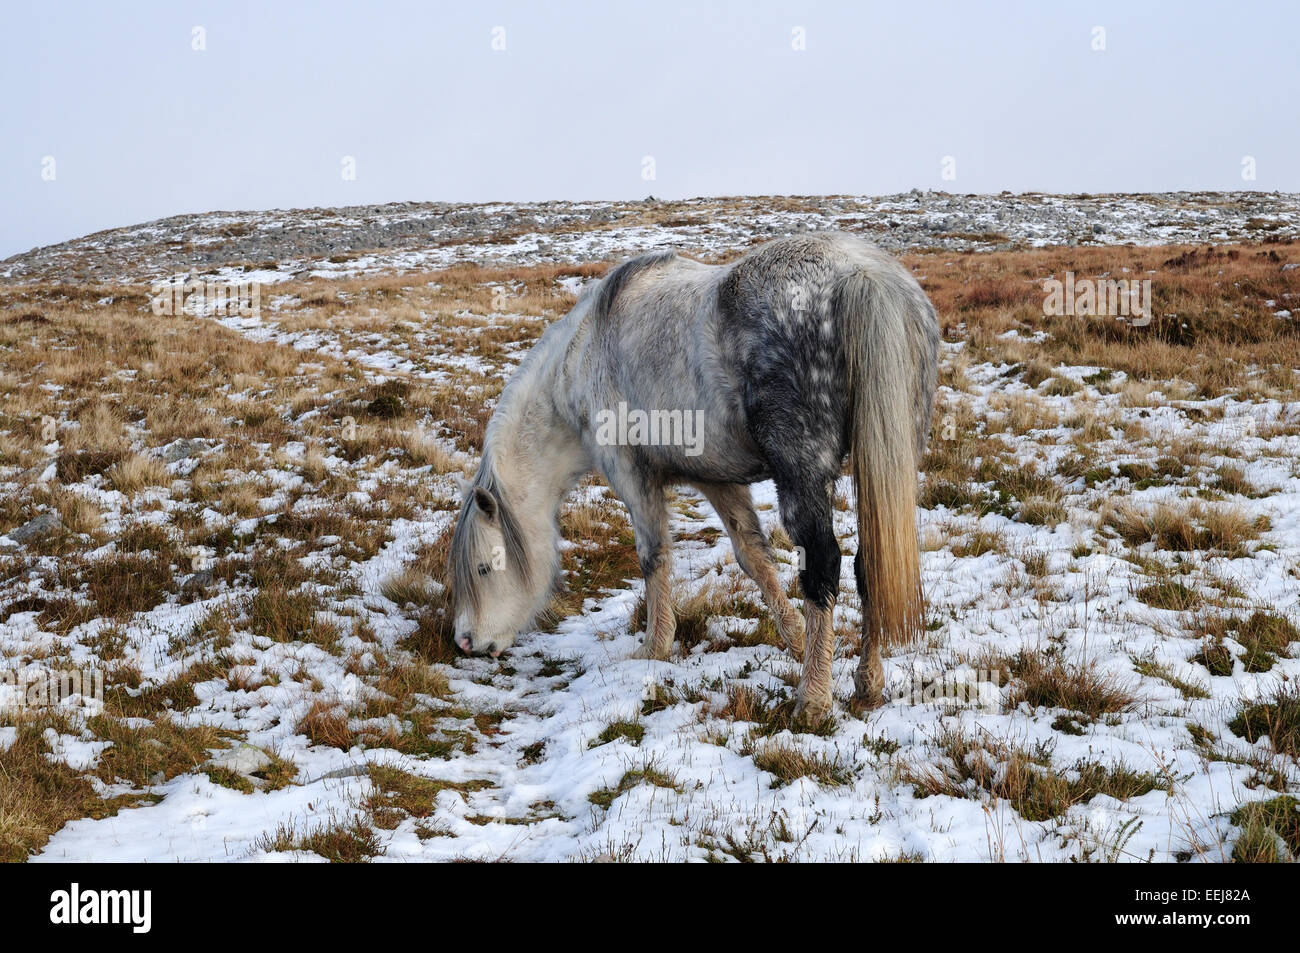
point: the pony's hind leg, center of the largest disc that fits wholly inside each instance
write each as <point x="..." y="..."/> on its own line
<point x="869" y="679"/>
<point x="735" y="507"/>
<point x="806" y="512"/>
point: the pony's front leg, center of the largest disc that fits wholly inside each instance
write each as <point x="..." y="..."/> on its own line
<point x="661" y="620"/>
<point x="648" y="506"/>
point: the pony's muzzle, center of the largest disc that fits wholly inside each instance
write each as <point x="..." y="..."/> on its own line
<point x="465" y="642"/>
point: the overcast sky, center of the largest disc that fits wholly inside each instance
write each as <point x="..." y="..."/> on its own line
<point x="112" y="116"/>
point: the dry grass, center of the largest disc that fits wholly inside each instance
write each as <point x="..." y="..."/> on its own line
<point x="604" y="555"/>
<point x="732" y="601"/>
<point x="786" y="763"/>
<point x="422" y="451"/>
<point x="1264" y="636"/>
<point x="1049" y="682"/>
<point x="1185" y="527"/>
<point x="326" y="724"/>
<point x="1276" y="718"/>
<point x="285" y="616"/>
<point x="647" y="774"/>
<point x="972" y="766"/>
<point x="77" y="513"/>
<point x="159" y="751"/>
<point x="767" y="713"/>
<point x="397" y="795"/>
<point x="135" y="472"/>
<point x="1270" y="831"/>
<point x="1227" y="325"/>
<point x="411" y="586"/>
<point x="340" y="842"/>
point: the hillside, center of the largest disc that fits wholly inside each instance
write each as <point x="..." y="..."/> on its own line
<point x="239" y="524"/>
<point x="279" y="245"/>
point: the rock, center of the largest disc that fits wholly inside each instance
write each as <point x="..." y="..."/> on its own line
<point x="42" y="525"/>
<point x="183" y="449"/>
<point x="242" y="759"/>
<point x="355" y="771"/>
<point x="198" y="581"/>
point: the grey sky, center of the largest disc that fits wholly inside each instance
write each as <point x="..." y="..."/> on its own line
<point x="141" y="125"/>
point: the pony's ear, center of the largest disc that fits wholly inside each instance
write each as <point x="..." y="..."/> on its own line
<point x="486" y="502"/>
<point x="462" y="485"/>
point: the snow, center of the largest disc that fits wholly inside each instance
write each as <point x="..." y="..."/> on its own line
<point x="719" y="791"/>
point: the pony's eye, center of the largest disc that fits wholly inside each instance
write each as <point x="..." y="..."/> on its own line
<point x="484" y="569"/>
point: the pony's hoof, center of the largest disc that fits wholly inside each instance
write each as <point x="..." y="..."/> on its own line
<point x="648" y="653"/>
<point x="865" y="701"/>
<point x="812" y="711"/>
<point x="868" y="684"/>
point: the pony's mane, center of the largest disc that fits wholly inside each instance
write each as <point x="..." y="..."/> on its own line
<point x="617" y="279"/>
<point x="462" y="568"/>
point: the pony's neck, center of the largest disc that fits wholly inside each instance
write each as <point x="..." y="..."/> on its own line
<point x="537" y="458"/>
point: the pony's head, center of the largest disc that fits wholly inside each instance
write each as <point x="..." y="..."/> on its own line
<point x="496" y="589"/>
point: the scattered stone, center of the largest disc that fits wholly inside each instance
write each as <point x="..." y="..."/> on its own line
<point x="198" y="581"/>
<point x="183" y="449"/>
<point x="354" y="771"/>
<point x="42" y="525"/>
<point x="242" y="759"/>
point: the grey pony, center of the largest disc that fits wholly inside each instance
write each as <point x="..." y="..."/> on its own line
<point x="803" y="354"/>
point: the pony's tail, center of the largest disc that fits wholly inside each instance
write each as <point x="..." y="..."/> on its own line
<point x="891" y="342"/>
